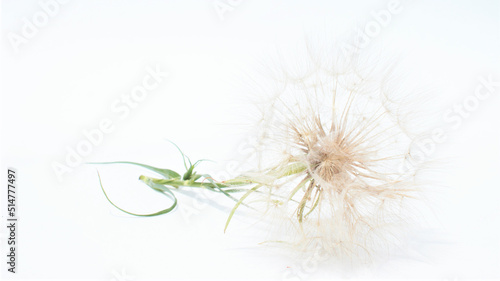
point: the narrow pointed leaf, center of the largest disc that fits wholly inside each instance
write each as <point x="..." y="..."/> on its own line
<point x="239" y="203"/>
<point x="167" y="192"/>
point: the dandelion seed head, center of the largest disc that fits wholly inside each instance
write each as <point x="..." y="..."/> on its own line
<point x="346" y="128"/>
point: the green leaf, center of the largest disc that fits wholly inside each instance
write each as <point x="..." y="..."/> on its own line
<point x="183" y="155"/>
<point x="160" y="189"/>
<point x="239" y="203"/>
<point x="298" y="187"/>
<point x="316" y="203"/>
<point x="202" y="160"/>
<point x="188" y="173"/>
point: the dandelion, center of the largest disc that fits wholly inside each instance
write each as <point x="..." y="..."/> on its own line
<point x="338" y="139"/>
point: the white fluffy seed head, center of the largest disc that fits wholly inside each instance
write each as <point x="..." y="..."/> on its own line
<point x="346" y="128"/>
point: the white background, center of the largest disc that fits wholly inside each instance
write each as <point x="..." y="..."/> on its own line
<point x="65" y="77"/>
